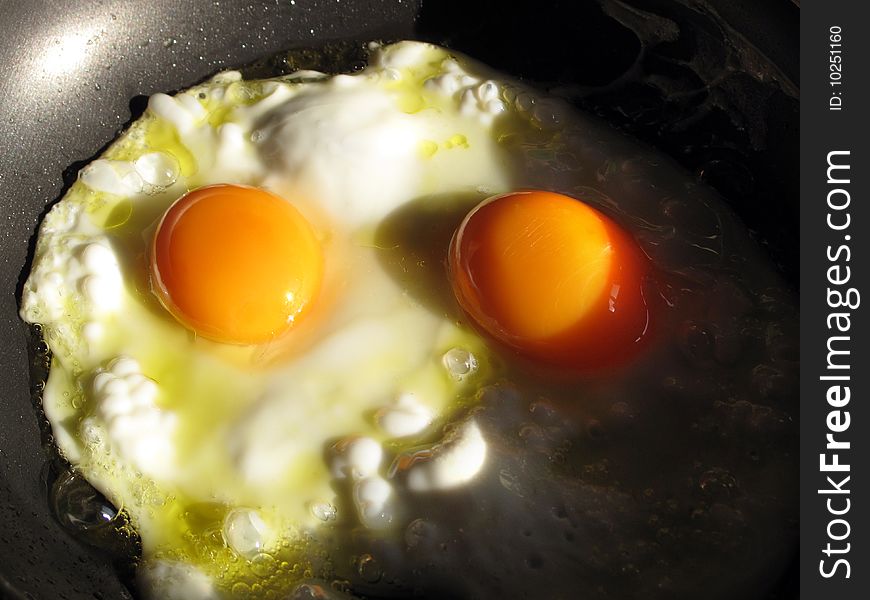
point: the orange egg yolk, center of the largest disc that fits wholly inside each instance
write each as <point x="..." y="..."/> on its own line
<point x="235" y="264"/>
<point x="552" y="278"/>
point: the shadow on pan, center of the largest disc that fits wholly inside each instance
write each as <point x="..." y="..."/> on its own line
<point x="715" y="87"/>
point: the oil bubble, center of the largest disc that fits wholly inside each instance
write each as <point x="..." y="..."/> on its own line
<point x="368" y="568"/>
<point x="78" y="505"/>
<point x="459" y="363"/>
<point x="263" y="565"/>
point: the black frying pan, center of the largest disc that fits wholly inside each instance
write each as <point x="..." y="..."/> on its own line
<point x="73" y="73"/>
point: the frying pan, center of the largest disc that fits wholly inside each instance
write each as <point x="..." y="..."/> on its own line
<point x="74" y="73"/>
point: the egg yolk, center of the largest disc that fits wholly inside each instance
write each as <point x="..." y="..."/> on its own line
<point x="235" y="264"/>
<point x="552" y="278"/>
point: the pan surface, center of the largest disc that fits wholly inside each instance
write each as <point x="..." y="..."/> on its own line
<point x="74" y="72"/>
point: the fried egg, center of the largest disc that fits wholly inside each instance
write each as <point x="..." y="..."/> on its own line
<point x="273" y="304"/>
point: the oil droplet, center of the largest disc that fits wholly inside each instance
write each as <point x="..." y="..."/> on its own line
<point x="456" y="141"/>
<point x="411" y="103"/>
<point x="427" y="148"/>
<point x="263" y="565"/>
<point x="418" y="532"/>
<point x="111" y="216"/>
<point x="78" y="505"/>
<point x="324" y="511"/>
<point x="459" y="363"/>
<point x="368" y="568"/>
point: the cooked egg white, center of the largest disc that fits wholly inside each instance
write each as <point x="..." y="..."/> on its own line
<point x="228" y="458"/>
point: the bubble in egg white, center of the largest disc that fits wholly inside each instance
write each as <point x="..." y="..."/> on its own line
<point x="324" y="511"/>
<point x="371" y="497"/>
<point x="459" y="363"/>
<point x="172" y="580"/>
<point x="452" y="463"/>
<point x="157" y="169"/>
<point x="245" y="532"/>
<point x="112" y="176"/>
<point x="92" y="331"/>
<point x="97" y="257"/>
<point x="406" y="417"/>
<point x="356" y="458"/>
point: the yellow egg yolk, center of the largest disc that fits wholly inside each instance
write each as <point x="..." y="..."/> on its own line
<point x="552" y="278"/>
<point x="235" y="264"/>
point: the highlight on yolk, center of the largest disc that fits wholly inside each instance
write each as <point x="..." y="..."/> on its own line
<point x="235" y="264"/>
<point x="552" y="278"/>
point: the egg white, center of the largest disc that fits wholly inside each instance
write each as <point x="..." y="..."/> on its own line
<point x="219" y="452"/>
